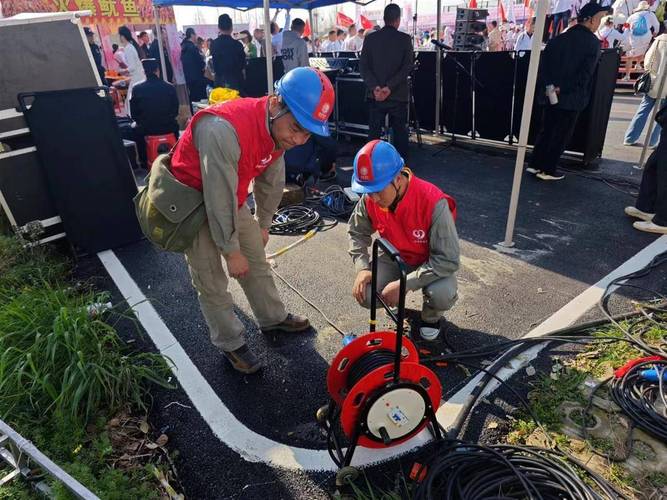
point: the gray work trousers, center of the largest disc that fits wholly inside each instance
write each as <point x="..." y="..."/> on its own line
<point x="210" y="280"/>
<point x="439" y="296"/>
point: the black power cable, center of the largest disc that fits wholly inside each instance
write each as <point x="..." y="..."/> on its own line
<point x="467" y="471"/>
<point x="644" y="400"/>
<point x="298" y="219"/>
<point x="367" y="363"/>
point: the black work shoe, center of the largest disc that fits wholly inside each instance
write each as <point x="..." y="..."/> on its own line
<point x="291" y="324"/>
<point x="243" y="360"/>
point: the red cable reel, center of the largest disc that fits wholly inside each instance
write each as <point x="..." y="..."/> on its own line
<point x="380" y="394"/>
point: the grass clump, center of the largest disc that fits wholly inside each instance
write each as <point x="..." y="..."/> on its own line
<point x="65" y="373"/>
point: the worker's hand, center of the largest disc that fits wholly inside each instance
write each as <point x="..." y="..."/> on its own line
<point x="237" y="265"/>
<point x="386" y="92"/>
<point x="377" y="93"/>
<point x="391" y="293"/>
<point x="360" y="283"/>
<point x="265" y="236"/>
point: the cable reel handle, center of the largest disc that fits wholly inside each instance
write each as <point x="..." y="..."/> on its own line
<point x="398" y="318"/>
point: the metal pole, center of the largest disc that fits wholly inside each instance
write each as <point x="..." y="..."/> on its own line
<point x="267" y="48"/>
<point x="163" y="65"/>
<point x="651" y="123"/>
<point x="526" y="115"/>
<point x="313" y="35"/>
<point x="438" y="63"/>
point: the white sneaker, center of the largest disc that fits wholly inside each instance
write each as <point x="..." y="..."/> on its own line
<point x="532" y="170"/>
<point x="547" y="177"/>
<point x="649" y="227"/>
<point x="638" y="214"/>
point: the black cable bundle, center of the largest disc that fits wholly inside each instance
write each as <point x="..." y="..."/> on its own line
<point x="297" y="219"/>
<point x="333" y="201"/>
<point x="640" y="398"/>
<point x="367" y="363"/>
<point x="467" y="471"/>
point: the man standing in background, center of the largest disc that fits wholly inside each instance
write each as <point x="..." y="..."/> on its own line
<point x="144" y="42"/>
<point x="97" y="53"/>
<point x="294" y="49"/>
<point x="385" y="65"/>
<point x="495" y="38"/>
<point x="228" y="56"/>
<point x="354" y="40"/>
<point x="193" y="66"/>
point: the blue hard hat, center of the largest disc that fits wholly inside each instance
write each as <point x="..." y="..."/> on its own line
<point x="309" y="95"/>
<point x="375" y="166"/>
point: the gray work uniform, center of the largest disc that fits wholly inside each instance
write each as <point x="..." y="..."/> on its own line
<point x="436" y="277"/>
<point x="294" y="51"/>
<point x="230" y="229"/>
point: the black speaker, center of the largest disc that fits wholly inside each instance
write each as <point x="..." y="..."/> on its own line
<point x="470" y="23"/>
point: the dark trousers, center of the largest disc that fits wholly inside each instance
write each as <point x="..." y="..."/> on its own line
<point x="555" y="133"/>
<point x="197" y="90"/>
<point x="653" y="190"/>
<point x="398" y="121"/>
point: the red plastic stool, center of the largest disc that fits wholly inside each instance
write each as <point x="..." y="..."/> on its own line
<point x="156" y="145"/>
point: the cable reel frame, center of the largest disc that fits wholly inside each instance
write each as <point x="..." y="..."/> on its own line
<point x="388" y="383"/>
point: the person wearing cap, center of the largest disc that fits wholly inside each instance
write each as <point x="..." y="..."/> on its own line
<point x="97" y="53"/>
<point x="608" y="35"/>
<point x="153" y="107"/>
<point x="643" y="26"/>
<point x="567" y="67"/>
<point x="418" y="219"/>
<point x="224" y="149"/>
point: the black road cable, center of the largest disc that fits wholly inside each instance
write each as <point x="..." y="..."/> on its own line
<point x="367" y="363"/>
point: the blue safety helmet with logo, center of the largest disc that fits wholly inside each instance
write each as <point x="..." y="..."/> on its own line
<point x="309" y="95"/>
<point x="375" y="166"/>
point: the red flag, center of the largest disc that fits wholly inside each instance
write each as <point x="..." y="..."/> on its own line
<point x="343" y="20"/>
<point x="366" y="23"/>
<point x="306" y="30"/>
<point x="472" y="4"/>
<point x="501" y="11"/>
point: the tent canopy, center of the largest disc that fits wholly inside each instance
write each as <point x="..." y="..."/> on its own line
<point x="255" y="4"/>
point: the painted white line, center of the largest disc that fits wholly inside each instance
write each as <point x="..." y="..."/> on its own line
<point x="564" y="317"/>
<point x="257" y="448"/>
<point x="233" y="433"/>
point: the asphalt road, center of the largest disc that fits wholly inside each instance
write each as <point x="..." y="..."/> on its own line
<point x="568" y="236"/>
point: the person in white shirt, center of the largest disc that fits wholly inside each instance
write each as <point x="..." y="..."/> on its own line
<point x="625" y="7"/>
<point x="448" y="36"/>
<point x="609" y="36"/>
<point x="561" y="16"/>
<point x="135" y="69"/>
<point x="525" y="38"/>
<point x="643" y="27"/>
<point x="277" y="33"/>
<point x="258" y="41"/>
<point x="331" y="44"/>
<point x="354" y="41"/>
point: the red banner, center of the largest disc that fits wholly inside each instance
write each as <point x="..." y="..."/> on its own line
<point x="307" y="31"/>
<point x="366" y="23"/>
<point x="472" y="4"/>
<point x="343" y="20"/>
<point x="109" y="11"/>
<point x="501" y="11"/>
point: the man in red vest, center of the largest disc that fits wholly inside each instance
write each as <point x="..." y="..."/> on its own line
<point x="418" y="219"/>
<point x="224" y="149"/>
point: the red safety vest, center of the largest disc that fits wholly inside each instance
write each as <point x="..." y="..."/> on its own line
<point x="409" y="226"/>
<point x="248" y="117"/>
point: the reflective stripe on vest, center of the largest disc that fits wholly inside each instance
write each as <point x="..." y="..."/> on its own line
<point x="248" y="117"/>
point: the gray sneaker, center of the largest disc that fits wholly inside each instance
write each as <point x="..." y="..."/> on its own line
<point x="243" y="360"/>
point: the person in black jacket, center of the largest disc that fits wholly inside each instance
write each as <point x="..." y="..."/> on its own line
<point x="97" y="53"/>
<point x="154" y="53"/>
<point x="153" y="107"/>
<point x="193" y="66"/>
<point x="228" y="56"/>
<point x="567" y="69"/>
<point x="386" y="62"/>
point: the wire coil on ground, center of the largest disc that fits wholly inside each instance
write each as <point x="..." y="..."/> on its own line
<point x="644" y="401"/>
<point x="367" y="363"/>
<point x="298" y="219"/>
<point x="466" y="471"/>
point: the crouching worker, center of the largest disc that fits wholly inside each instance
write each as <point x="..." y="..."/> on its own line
<point x="224" y="148"/>
<point x="418" y="219"/>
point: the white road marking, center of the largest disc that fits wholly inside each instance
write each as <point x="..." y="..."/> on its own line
<point x="254" y="447"/>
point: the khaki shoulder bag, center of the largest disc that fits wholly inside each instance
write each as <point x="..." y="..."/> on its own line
<point x="170" y="213"/>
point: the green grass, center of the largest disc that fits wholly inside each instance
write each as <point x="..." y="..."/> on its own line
<point x="64" y="373"/>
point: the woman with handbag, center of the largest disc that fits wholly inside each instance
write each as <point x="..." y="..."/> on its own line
<point x="654" y="63"/>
